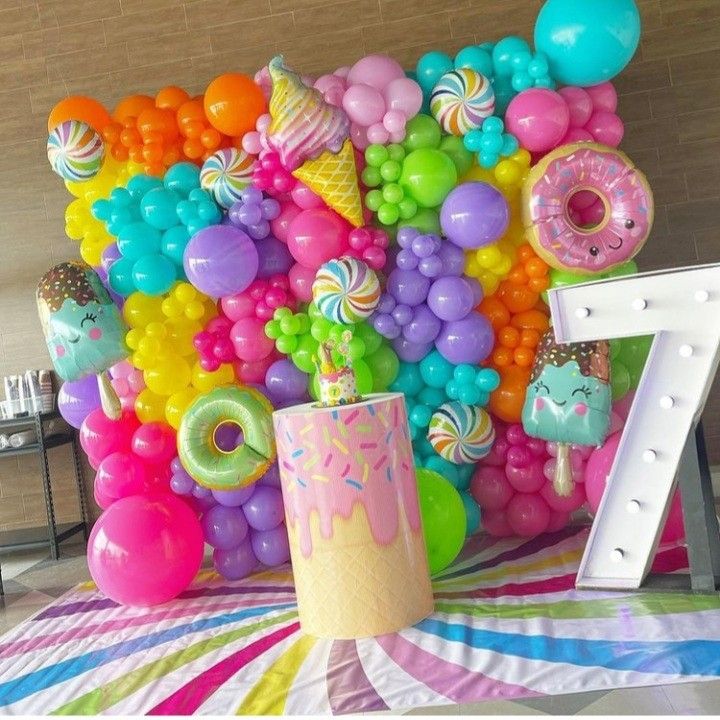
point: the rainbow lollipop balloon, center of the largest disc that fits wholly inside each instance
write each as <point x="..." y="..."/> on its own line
<point x="461" y="100"/>
<point x="75" y="151"/>
<point x="346" y="290"/>
<point x="461" y="433"/>
<point x="226" y="173"/>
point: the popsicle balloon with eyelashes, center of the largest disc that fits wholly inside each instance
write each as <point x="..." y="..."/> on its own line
<point x="83" y="328"/>
<point x="568" y="399"/>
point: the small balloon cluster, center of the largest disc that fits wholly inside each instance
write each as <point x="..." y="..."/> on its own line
<point x="417" y="217"/>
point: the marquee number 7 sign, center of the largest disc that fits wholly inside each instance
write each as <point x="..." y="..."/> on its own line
<point x="681" y="308"/>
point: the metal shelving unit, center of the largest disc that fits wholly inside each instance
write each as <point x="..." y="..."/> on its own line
<point x="55" y="533"/>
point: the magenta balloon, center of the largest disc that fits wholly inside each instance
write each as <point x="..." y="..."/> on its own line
<point x="274" y="258"/>
<point x="220" y="260"/>
<point x="527" y="479"/>
<point x="224" y="527"/>
<point x="237" y="562"/>
<point x="474" y="214"/>
<point x="451" y="298"/>
<point x="102" y="500"/>
<point x="410" y="351"/>
<point x="279" y="226"/>
<point x="100" y="436"/>
<point x="301" y="280"/>
<point x="539" y="119"/>
<point x="77" y="399"/>
<point x="528" y="514"/>
<point x="249" y="339"/>
<point x="271" y="547"/>
<point x="490" y="488"/>
<point x="495" y="523"/>
<point x="155" y="442"/>
<point x="469" y="340"/>
<point x="122" y="474"/>
<point x="285" y="381"/>
<point x="144" y="550"/>
<point x="264" y="510"/>
<point x="580" y="104"/>
<point x="674" y="525"/>
<point x="558" y="520"/>
<point x="317" y="235"/>
<point x="603" y="96"/>
<point x="606" y="127"/>
<point x="564" y="503"/>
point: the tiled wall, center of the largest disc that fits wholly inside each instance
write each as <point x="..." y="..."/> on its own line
<point x="670" y="97"/>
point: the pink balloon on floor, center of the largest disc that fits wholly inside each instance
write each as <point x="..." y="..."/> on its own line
<point x="495" y="523"/>
<point x="145" y="551"/>
<point x="490" y="488"/>
<point x="528" y="514"/>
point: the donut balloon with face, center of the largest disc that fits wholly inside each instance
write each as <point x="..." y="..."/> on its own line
<point x="558" y="235"/>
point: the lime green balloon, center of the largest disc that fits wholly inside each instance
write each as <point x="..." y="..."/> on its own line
<point x="388" y="213"/>
<point x="320" y="329"/>
<point x="423" y="131"/>
<point x="428" y="175"/>
<point x="376" y="155"/>
<point x="370" y="336"/>
<point x="443" y="518"/>
<point x="628" y="268"/>
<point x="313" y="312"/>
<point x="619" y="380"/>
<point x="563" y="278"/>
<point x="390" y="170"/>
<point x="306" y="348"/>
<point x="272" y="329"/>
<point x="374" y="199"/>
<point x="615" y="348"/>
<point x="396" y="152"/>
<point x="363" y="377"/>
<point x="633" y="354"/>
<point x="371" y="176"/>
<point x="426" y="220"/>
<point x="287" y="344"/>
<point x="384" y="366"/>
<point x="455" y="149"/>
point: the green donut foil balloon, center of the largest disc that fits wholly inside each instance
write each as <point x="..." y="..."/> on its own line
<point x="204" y="461"/>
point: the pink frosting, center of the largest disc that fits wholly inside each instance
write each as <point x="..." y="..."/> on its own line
<point x="619" y="236"/>
<point x="334" y="458"/>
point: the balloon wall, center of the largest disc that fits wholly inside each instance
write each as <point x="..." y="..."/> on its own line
<point x="425" y="211"/>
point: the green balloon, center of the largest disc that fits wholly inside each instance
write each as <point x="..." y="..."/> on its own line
<point x="384" y="366"/>
<point x="455" y="149"/>
<point x="303" y="355"/>
<point x="426" y="220"/>
<point x="370" y="336"/>
<point x="428" y="175"/>
<point x="563" y="278"/>
<point x="619" y="380"/>
<point x="633" y="354"/>
<point x="443" y="518"/>
<point x="423" y="131"/>
<point x="628" y="268"/>
<point x="363" y="377"/>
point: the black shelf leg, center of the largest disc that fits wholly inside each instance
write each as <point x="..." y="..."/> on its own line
<point x="80" y="481"/>
<point x="45" y="470"/>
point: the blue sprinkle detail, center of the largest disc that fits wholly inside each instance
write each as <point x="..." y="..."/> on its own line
<point x="354" y="483"/>
<point x="298" y="453"/>
<point x="334" y="414"/>
<point x="388" y="472"/>
<point x="371" y="410"/>
<point x="301" y="482"/>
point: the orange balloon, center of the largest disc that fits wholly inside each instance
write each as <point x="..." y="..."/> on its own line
<point x="495" y="312"/>
<point x="531" y="320"/>
<point x="171" y="97"/>
<point x="132" y="106"/>
<point x="507" y="401"/>
<point x="157" y="120"/>
<point x="517" y="298"/>
<point x="233" y="103"/>
<point x="191" y="118"/>
<point x="79" y="107"/>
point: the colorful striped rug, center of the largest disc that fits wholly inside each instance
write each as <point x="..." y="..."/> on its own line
<point x="508" y="624"/>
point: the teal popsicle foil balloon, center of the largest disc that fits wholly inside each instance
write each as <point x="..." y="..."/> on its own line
<point x="84" y="330"/>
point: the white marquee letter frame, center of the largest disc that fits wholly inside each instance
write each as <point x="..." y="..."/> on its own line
<point x="681" y="308"/>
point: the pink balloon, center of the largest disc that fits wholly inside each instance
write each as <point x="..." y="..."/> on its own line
<point x="251" y="143"/>
<point x="597" y="469"/>
<point x="405" y="95"/>
<point x="121" y="386"/>
<point x="674" y="525"/>
<point x="574" y="135"/>
<point x="358" y="136"/>
<point x="603" y="96"/>
<point x="316" y="236"/>
<point x="288" y="212"/>
<point x="495" y="523"/>
<point x="377" y="133"/>
<point x="528" y="479"/>
<point x="363" y="104"/>
<point x="375" y="70"/>
<point x="121" y="369"/>
<point x="250" y="341"/>
<point x="539" y="119"/>
<point x="155" y="442"/>
<point x="558" y="520"/>
<point x="305" y="198"/>
<point x="144" y="550"/>
<point x="238" y="306"/>
<point x="255" y="371"/>
<point x="119" y="475"/>
<point x="342" y="71"/>
<point x="572" y="502"/>
<point x="528" y="514"/>
<point x="101" y="500"/>
<point x="622" y="406"/>
<point x="490" y="488"/>
<point x="616" y="423"/>
<point x="579" y="104"/>
<point x="100" y="436"/>
<point x="606" y="127"/>
<point x="301" y="280"/>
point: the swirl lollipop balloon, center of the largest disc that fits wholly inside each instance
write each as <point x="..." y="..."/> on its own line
<point x="226" y="173"/>
<point x="75" y="151"/>
<point x="461" y="100"/>
<point x="346" y="290"/>
<point x="461" y="433"/>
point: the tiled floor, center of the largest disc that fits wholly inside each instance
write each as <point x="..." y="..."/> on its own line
<point x="32" y="581"/>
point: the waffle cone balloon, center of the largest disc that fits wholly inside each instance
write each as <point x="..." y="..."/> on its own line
<point x="303" y="125"/>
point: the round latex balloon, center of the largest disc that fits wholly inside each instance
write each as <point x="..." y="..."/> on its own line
<point x="233" y="103"/>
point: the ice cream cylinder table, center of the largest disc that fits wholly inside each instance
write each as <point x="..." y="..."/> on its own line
<point x="353" y="517"/>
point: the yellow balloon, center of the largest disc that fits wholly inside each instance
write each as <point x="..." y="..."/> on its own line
<point x="140" y="310"/>
<point x="168" y="376"/>
<point x="177" y="404"/>
<point x="91" y="252"/>
<point x="479" y="174"/>
<point x="205" y="381"/>
<point x="150" y="407"/>
<point x="184" y="292"/>
<point x="181" y="332"/>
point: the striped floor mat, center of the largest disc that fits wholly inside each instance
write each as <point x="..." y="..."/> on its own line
<point x="508" y="625"/>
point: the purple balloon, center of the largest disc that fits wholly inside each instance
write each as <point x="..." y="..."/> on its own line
<point x="469" y="340"/>
<point x="410" y="351"/>
<point x="477" y="290"/>
<point x="409" y="287"/>
<point x="453" y="258"/>
<point x="77" y="399"/>
<point x="109" y="255"/>
<point x="451" y="298"/>
<point x="176" y="465"/>
<point x="234" y="498"/>
<point x="286" y="382"/>
<point x="224" y="527"/>
<point x="181" y="483"/>
<point x="235" y="563"/>
<point x="474" y="214"/>
<point x="271" y="477"/>
<point x="274" y="257"/>
<point x="264" y="510"/>
<point x="228" y="436"/>
<point x="271" y="547"/>
<point x="424" y="326"/>
<point x="220" y="260"/>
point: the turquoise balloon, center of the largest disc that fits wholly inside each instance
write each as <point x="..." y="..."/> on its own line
<point x="476" y="59"/>
<point x="137" y="239"/>
<point x="430" y="68"/>
<point x="443" y="467"/>
<point x="504" y="52"/>
<point x="472" y="513"/>
<point x="173" y="244"/>
<point x="120" y="276"/>
<point x="159" y="208"/>
<point x="436" y="371"/>
<point x="182" y="177"/>
<point x="138" y="185"/>
<point x="588" y="42"/>
<point x="154" y="274"/>
<point x="408" y="380"/>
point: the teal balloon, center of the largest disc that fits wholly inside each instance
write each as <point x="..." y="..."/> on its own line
<point x="137" y="239"/>
<point x="139" y="185"/>
<point x="430" y="68"/>
<point x="433" y="397"/>
<point x="154" y="274"/>
<point x="173" y="243"/>
<point x="443" y="467"/>
<point x="472" y="513"/>
<point x="159" y="208"/>
<point x="588" y="42"/>
<point x="504" y="52"/>
<point x="504" y="93"/>
<point x="436" y="371"/>
<point x="408" y="381"/>
<point x="476" y="59"/>
<point x="182" y="177"/>
<point x="120" y="276"/>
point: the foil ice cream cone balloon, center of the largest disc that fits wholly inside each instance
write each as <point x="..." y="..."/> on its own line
<point x="303" y="125"/>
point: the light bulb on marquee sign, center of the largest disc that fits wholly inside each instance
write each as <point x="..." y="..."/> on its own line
<point x="681" y="308"/>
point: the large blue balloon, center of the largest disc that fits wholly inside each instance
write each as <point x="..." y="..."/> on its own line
<point x="587" y="41"/>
